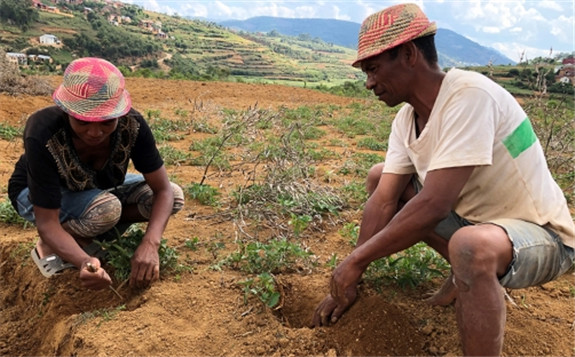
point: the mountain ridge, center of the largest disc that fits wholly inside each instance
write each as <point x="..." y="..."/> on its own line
<point x="453" y="48"/>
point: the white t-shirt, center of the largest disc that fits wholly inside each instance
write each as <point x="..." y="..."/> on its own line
<point x="475" y="122"/>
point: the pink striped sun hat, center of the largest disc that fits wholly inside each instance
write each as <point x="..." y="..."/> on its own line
<point x="93" y="90"/>
<point x="391" y="27"/>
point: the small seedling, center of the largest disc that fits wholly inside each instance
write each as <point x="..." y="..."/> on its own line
<point x="121" y="250"/>
<point x="263" y="287"/>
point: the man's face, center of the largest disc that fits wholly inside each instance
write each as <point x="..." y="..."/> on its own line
<point x="384" y="78"/>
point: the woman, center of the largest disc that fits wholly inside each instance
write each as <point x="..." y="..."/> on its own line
<point x="72" y="179"/>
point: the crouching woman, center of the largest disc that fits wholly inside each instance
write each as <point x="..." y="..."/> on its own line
<point x="72" y="180"/>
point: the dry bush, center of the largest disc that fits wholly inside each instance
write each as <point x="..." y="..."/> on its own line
<point x="12" y="82"/>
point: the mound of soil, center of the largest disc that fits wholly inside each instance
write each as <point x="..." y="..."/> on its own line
<point x="203" y="312"/>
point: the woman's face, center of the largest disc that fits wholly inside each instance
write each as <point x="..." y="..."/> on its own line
<point x="93" y="133"/>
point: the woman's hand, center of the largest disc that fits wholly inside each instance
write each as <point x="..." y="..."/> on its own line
<point x="93" y="276"/>
<point x="145" y="265"/>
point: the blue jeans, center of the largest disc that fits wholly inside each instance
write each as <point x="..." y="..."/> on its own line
<point x="74" y="204"/>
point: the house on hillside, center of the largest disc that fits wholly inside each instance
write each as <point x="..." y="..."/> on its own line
<point x="52" y="9"/>
<point x="566" y="72"/>
<point x="17" y="58"/>
<point x="154" y="26"/>
<point x="161" y="34"/>
<point x="48" y="39"/>
<point x="39" y="5"/>
<point x="115" y="20"/>
<point x="40" y="58"/>
<point x="71" y="2"/>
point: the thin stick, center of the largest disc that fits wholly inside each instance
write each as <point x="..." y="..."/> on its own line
<point x="116" y="292"/>
<point x="91" y="268"/>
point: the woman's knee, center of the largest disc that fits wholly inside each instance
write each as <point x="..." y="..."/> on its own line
<point x="146" y="200"/>
<point x="178" y="198"/>
<point x="101" y="215"/>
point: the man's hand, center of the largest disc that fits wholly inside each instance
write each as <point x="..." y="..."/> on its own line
<point x="93" y="276"/>
<point x="145" y="265"/>
<point x="343" y="294"/>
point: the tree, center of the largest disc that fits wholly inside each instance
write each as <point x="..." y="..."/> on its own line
<point x="20" y="13"/>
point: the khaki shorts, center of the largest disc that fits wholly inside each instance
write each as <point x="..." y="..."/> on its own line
<point x="539" y="255"/>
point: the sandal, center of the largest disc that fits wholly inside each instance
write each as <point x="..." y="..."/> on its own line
<point x="50" y="264"/>
<point x="53" y="264"/>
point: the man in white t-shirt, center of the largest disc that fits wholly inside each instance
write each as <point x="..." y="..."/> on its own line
<point x="464" y="173"/>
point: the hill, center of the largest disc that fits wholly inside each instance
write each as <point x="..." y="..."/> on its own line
<point x="159" y="45"/>
<point x="459" y="51"/>
<point x="454" y="49"/>
<point x="341" y="33"/>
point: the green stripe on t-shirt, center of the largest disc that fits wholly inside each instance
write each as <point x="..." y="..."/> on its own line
<point x="521" y="138"/>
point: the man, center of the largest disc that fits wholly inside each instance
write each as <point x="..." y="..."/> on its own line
<point x="464" y="173"/>
<point x="72" y="179"/>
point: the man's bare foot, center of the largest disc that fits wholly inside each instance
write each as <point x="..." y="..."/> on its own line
<point x="445" y="295"/>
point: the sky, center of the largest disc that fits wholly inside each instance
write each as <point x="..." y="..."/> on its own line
<point x="520" y="30"/>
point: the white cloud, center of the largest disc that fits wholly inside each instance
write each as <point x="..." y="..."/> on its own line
<point x="194" y="10"/>
<point x="339" y="15"/>
<point x="550" y="4"/>
<point x="517" y="51"/>
<point x="511" y="24"/>
<point x="308" y="12"/>
<point x="491" y="29"/>
<point x="154" y="5"/>
<point x="562" y="29"/>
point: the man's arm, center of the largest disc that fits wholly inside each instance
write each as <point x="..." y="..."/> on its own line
<point x="382" y="205"/>
<point x="410" y="225"/>
<point x="418" y="217"/>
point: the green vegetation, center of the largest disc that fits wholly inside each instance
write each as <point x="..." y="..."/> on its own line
<point x="276" y="256"/>
<point x="264" y="260"/>
<point x="8" y="132"/>
<point x="120" y="251"/>
<point x="18" y="13"/>
<point x="9" y="215"/>
<point x="150" y="44"/>
<point x="409" y="268"/>
<point x="297" y="171"/>
<point x="205" y="194"/>
<point x="263" y="286"/>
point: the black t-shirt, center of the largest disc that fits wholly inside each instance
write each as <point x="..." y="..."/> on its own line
<point x="50" y="161"/>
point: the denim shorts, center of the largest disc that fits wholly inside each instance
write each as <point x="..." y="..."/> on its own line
<point x="73" y="204"/>
<point x="539" y="256"/>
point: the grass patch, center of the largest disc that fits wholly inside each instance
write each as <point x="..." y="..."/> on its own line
<point x="205" y="194"/>
<point x="8" y="132"/>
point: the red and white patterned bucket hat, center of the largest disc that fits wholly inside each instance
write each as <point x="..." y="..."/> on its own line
<point x="391" y="27"/>
<point x="93" y="89"/>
